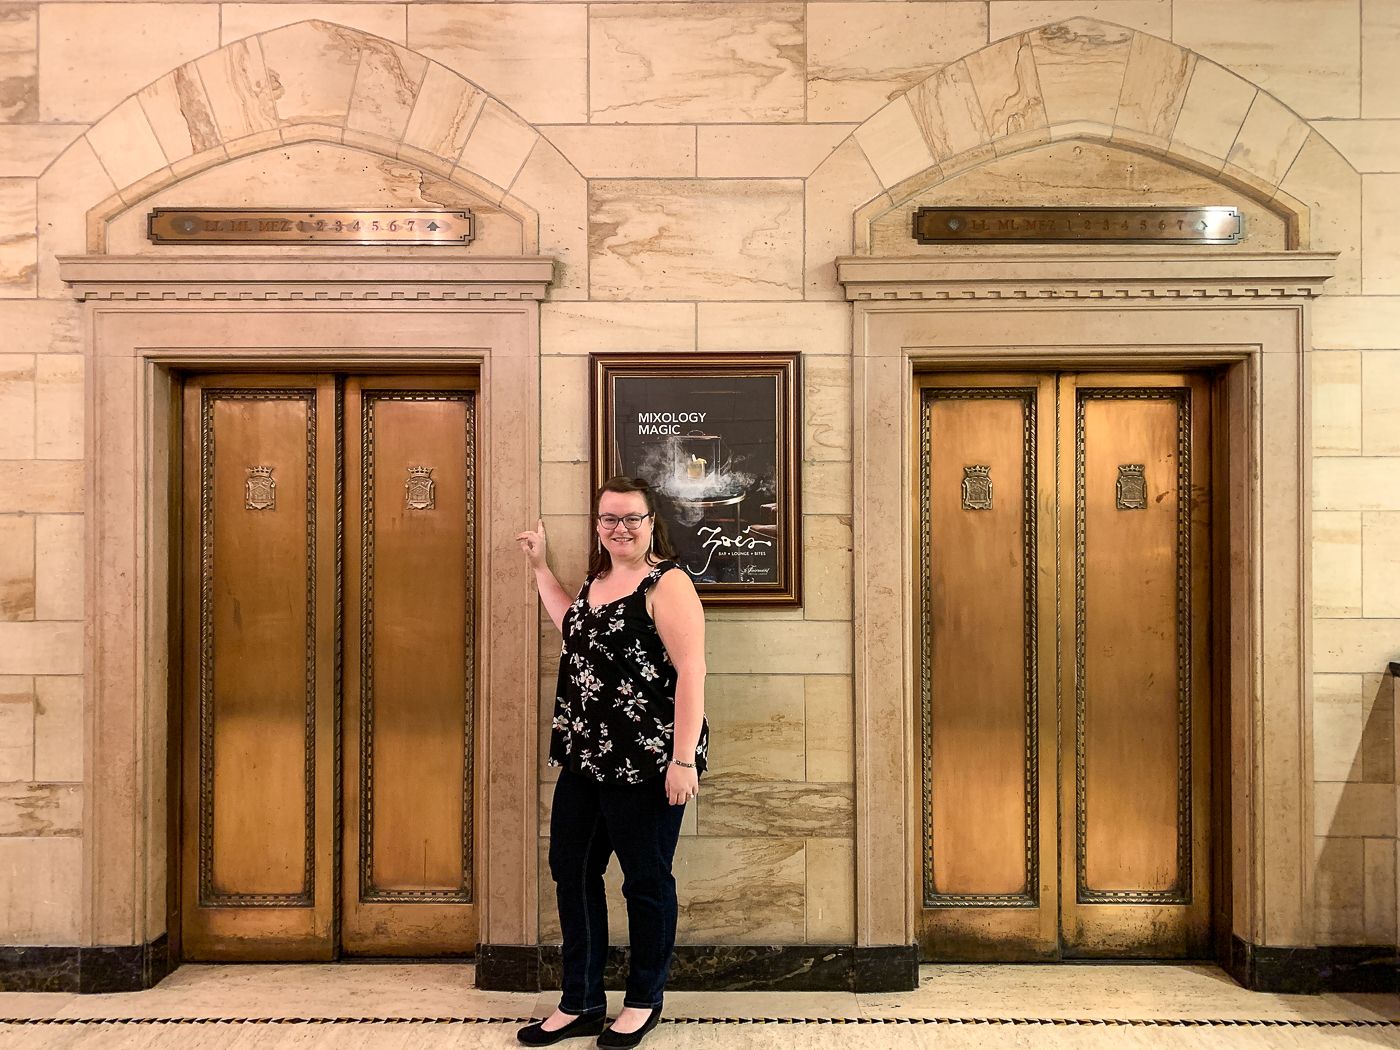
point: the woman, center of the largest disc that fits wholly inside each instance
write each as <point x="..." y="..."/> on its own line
<point x="630" y="735"/>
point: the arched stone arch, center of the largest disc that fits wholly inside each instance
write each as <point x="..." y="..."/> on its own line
<point x="1097" y="82"/>
<point x="314" y="82"/>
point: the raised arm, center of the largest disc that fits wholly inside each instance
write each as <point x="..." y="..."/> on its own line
<point x="556" y="600"/>
<point x="680" y="620"/>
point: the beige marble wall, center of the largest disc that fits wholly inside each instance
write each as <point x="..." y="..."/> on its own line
<point x="1356" y="602"/>
<point x="696" y="168"/>
<point x="41" y="613"/>
<point x="765" y="855"/>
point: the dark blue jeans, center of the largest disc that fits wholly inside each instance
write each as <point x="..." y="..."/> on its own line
<point x="590" y="822"/>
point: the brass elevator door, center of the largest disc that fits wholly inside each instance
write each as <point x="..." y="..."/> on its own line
<point x="1064" y="695"/>
<point x="329" y="674"/>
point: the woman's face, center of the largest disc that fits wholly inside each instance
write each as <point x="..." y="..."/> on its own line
<point x="620" y="542"/>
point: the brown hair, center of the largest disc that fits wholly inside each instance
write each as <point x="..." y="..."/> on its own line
<point x="599" y="560"/>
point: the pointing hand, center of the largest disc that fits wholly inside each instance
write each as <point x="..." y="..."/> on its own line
<point x="533" y="544"/>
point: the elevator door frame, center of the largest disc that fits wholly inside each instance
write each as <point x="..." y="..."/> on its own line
<point x="1036" y="930"/>
<point x="1083" y="308"/>
<point x="334" y="876"/>
<point x="142" y="317"/>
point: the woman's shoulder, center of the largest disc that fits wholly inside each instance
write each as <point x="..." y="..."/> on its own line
<point x="664" y="568"/>
<point x="670" y="578"/>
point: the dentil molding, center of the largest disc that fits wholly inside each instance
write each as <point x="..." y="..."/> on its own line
<point x="252" y="278"/>
<point x="1159" y="276"/>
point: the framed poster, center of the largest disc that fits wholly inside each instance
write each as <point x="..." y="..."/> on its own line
<point x="716" y="436"/>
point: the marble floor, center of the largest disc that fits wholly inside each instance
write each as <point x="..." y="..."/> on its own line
<point x="397" y="1006"/>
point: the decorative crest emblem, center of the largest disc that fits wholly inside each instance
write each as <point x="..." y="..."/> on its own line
<point x="420" y="488"/>
<point x="977" y="488"/>
<point x="261" y="490"/>
<point x="1132" y="487"/>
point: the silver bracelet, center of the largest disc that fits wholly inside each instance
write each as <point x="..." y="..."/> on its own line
<point x="683" y="765"/>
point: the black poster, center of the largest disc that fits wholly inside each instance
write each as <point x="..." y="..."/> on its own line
<point x="714" y="435"/>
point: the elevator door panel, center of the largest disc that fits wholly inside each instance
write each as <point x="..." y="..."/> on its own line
<point x="410" y="668"/>
<point x="979" y="792"/>
<point x="1135" y="499"/>
<point x="259" y="556"/>
<point x="982" y="793"/>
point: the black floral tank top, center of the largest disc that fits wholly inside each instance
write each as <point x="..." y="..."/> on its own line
<point x="615" y="705"/>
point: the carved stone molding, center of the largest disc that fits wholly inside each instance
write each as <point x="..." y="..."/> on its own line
<point x="254" y="278"/>
<point x="1160" y="276"/>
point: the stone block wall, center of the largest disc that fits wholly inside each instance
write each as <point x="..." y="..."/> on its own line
<point x="766" y="853"/>
<point x="699" y="178"/>
<point x="41" y="629"/>
<point x="1356" y="629"/>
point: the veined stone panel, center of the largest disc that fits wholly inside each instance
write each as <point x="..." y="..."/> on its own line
<point x="695" y="239"/>
<point x="240" y="20"/>
<point x="1338" y="727"/>
<point x="58" y="406"/>
<point x="584" y="328"/>
<point x="53" y="916"/>
<point x="16" y="567"/>
<point x="41" y="486"/>
<point x="827" y="409"/>
<point x="533" y="57"/>
<point x="27" y="149"/>
<point x="757" y="727"/>
<point x="41" y="810"/>
<point x="58" y="727"/>
<point x="776" y="808"/>
<point x="775" y="151"/>
<point x="1380" y="555"/>
<point x="16" y="728"/>
<point x="816" y="329"/>
<point x="1336" y="392"/>
<point x="58" y="567"/>
<point x="1310" y="57"/>
<point x="92" y="55"/>
<point x="19" y="244"/>
<point x="1380" y="413"/>
<point x="1016" y="16"/>
<point x="697" y="62"/>
<point x="1380" y="54"/>
<point x="1336" y="552"/>
<point x="628" y="150"/>
<point x="16" y="406"/>
<point x="19" y="64"/>
<point x="861" y="55"/>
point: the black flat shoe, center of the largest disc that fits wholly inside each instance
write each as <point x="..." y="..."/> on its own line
<point x="611" y="1040"/>
<point x="584" y="1024"/>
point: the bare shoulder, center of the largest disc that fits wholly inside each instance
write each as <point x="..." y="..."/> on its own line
<point x="675" y="582"/>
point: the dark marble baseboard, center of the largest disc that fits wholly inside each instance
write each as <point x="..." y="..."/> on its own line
<point x="719" y="968"/>
<point x="91" y="970"/>
<point x="1310" y="971"/>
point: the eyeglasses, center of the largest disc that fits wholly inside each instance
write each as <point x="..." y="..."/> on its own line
<point x="632" y="521"/>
